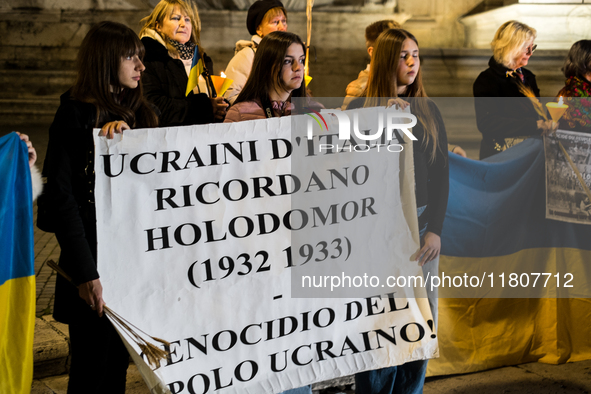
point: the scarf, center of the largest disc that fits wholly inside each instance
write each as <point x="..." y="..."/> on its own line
<point x="576" y="87"/>
<point x="282" y="107"/>
<point x="186" y="51"/>
<point x="578" y="114"/>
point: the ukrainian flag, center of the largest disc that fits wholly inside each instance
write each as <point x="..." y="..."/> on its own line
<point x="495" y="222"/>
<point x="17" y="279"/>
<point x="196" y="70"/>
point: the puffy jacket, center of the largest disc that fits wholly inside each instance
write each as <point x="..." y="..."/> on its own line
<point x="253" y="110"/>
<point x="239" y="67"/>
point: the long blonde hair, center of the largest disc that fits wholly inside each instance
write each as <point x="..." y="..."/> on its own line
<point x="509" y="40"/>
<point x="164" y="9"/>
<point x="382" y="84"/>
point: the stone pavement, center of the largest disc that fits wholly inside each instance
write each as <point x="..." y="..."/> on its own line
<point x="534" y="378"/>
<point x="46" y="248"/>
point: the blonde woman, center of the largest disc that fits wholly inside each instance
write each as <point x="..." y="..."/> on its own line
<point x="501" y="121"/>
<point x="170" y="34"/>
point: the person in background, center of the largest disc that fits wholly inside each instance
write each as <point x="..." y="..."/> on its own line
<point x="264" y="17"/>
<point x="505" y="122"/>
<point x="277" y="75"/>
<point x="357" y="87"/>
<point x="170" y="34"/>
<point x="107" y="94"/>
<point x="394" y="75"/>
<point x="577" y="70"/>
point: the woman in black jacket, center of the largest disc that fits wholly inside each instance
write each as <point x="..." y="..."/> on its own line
<point x="504" y="122"/>
<point x="106" y="94"/>
<point x="170" y="35"/>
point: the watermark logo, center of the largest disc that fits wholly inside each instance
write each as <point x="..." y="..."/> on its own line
<point x="388" y="117"/>
<point x="316" y="119"/>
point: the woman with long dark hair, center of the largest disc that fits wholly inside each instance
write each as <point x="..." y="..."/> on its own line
<point x="277" y="75"/>
<point x="108" y="95"/>
<point x="577" y="88"/>
<point x="395" y="76"/>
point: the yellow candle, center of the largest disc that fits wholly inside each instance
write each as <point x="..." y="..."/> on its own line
<point x="556" y="109"/>
<point x="221" y="84"/>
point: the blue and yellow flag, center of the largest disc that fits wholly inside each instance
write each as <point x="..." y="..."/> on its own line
<point x="496" y="223"/>
<point x="17" y="279"/>
<point x="196" y="70"/>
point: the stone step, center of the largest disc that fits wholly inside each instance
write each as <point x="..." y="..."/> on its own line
<point x="35" y="83"/>
<point x="50" y="348"/>
<point x="24" y="111"/>
<point x="58" y="384"/>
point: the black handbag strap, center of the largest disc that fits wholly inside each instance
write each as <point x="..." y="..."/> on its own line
<point x="267" y="108"/>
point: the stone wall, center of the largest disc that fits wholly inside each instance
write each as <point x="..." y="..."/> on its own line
<point x="559" y="25"/>
<point x="40" y="42"/>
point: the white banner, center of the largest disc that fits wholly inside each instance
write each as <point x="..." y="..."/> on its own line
<point x="194" y="247"/>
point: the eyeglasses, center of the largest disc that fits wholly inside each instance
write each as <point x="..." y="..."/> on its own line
<point x="530" y="50"/>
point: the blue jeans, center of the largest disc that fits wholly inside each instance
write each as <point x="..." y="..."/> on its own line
<point x="301" y="390"/>
<point x="403" y="379"/>
<point x="407" y="378"/>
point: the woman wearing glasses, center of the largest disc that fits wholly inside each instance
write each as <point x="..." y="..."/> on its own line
<point x="504" y="122"/>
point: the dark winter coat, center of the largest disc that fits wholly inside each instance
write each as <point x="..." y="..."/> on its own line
<point x="498" y="119"/>
<point x="165" y="83"/>
<point x="69" y="168"/>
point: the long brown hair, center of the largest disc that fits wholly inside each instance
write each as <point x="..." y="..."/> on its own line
<point x="99" y="59"/>
<point x="382" y="83"/>
<point x="578" y="61"/>
<point x="266" y="68"/>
